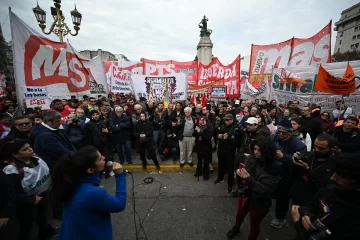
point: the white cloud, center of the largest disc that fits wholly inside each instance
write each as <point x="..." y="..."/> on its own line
<point x="167" y="29"/>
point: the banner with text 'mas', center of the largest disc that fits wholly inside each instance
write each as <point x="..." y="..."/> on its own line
<point x="166" y="88"/>
<point x="302" y="87"/>
<point x="118" y="75"/>
<point x="293" y="52"/>
<point x="159" y="68"/>
<point x="40" y="62"/>
<point x="215" y="71"/>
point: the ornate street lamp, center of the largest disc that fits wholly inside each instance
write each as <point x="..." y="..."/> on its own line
<point x="58" y="27"/>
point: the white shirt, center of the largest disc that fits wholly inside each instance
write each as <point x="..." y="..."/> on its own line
<point x="337" y="112"/>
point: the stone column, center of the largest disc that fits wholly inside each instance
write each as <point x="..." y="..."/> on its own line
<point x="204" y="50"/>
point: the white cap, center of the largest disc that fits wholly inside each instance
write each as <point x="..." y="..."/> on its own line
<point x="237" y="102"/>
<point x="252" y="120"/>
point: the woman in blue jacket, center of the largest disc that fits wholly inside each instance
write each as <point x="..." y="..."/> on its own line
<point x="87" y="206"/>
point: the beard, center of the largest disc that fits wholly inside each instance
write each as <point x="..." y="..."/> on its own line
<point x="323" y="155"/>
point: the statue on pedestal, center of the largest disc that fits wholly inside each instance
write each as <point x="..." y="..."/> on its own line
<point x="203" y="26"/>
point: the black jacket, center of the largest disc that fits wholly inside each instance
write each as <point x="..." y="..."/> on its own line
<point x="315" y="178"/>
<point x="227" y="145"/>
<point x="343" y="220"/>
<point x="93" y="133"/>
<point x="203" y="141"/>
<point x="160" y="121"/>
<point x="144" y="127"/>
<point x="313" y="127"/>
<point x="7" y="196"/>
<point x="174" y="115"/>
<point x="348" y="141"/>
<point x="263" y="181"/>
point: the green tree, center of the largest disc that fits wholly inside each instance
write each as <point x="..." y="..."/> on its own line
<point x="346" y="56"/>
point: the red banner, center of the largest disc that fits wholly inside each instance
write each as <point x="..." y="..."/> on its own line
<point x="293" y="52"/>
<point x="215" y="71"/>
<point x="153" y="67"/>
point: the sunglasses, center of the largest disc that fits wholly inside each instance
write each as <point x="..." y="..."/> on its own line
<point x="92" y="101"/>
<point x="23" y="124"/>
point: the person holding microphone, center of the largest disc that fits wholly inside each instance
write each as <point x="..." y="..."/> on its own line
<point x="87" y="206"/>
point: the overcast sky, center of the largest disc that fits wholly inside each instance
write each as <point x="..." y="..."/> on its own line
<point x="168" y="29"/>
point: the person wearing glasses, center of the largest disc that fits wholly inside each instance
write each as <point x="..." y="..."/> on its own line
<point x="286" y="145"/>
<point x="22" y="128"/>
<point x="326" y="122"/>
<point x="92" y="104"/>
<point x="341" y="112"/>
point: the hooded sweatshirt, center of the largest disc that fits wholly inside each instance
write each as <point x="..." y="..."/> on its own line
<point x="87" y="215"/>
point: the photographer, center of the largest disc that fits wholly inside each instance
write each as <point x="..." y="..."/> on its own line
<point x="203" y="145"/>
<point x="95" y="132"/>
<point x="74" y="129"/>
<point x="333" y="212"/>
<point x="143" y="134"/>
<point x="315" y="167"/>
<point x="260" y="177"/>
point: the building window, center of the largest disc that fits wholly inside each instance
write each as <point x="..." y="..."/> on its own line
<point x="338" y="49"/>
<point x="356" y="45"/>
<point x="341" y="34"/>
<point x="358" y="36"/>
<point x="340" y="42"/>
<point x="358" y="20"/>
<point x="356" y="29"/>
<point x="354" y="37"/>
<point x="352" y="46"/>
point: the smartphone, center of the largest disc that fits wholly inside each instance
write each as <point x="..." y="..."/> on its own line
<point x="242" y="166"/>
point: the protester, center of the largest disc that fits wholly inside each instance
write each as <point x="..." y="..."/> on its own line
<point x="22" y="128"/>
<point x="310" y="124"/>
<point x="144" y="134"/>
<point x="51" y="142"/>
<point x="326" y="122"/>
<point x="58" y="106"/>
<point x="341" y="112"/>
<point x="186" y="127"/>
<point x="348" y="135"/>
<point x="25" y="170"/>
<point x="286" y="145"/>
<point x="76" y="186"/>
<point x="121" y="133"/>
<point x="8" y="220"/>
<point x="203" y="134"/>
<point x="300" y="132"/>
<point x="226" y="151"/>
<point x="259" y="178"/>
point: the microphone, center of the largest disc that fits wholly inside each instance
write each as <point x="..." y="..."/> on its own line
<point x="109" y="165"/>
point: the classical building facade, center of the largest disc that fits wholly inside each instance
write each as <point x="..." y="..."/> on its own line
<point x="105" y="55"/>
<point x="348" y="30"/>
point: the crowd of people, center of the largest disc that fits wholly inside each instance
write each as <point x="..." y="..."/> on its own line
<point x="268" y="151"/>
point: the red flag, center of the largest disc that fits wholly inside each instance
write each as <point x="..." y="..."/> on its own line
<point x="203" y="100"/>
<point x="193" y="99"/>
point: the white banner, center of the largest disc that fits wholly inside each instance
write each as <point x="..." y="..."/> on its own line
<point x="154" y="87"/>
<point x="249" y="92"/>
<point x="121" y="83"/>
<point x="41" y="62"/>
<point x="304" y="93"/>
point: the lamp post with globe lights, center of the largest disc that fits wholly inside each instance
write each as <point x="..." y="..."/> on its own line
<point x="58" y="27"/>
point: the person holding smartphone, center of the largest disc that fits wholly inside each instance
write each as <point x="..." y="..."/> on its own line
<point x="260" y="176"/>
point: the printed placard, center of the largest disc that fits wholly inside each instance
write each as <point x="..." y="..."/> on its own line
<point x="35" y="92"/>
<point x="218" y="92"/>
<point x="43" y="103"/>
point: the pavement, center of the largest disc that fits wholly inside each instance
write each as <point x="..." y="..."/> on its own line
<point x="187" y="209"/>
